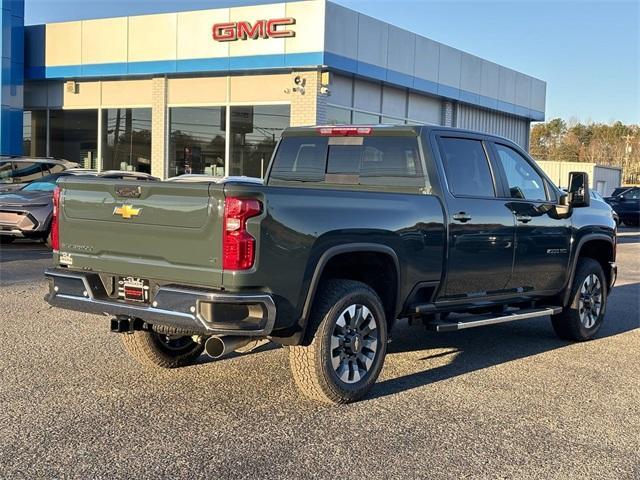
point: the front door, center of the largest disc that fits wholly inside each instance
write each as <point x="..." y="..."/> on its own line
<point x="481" y="227"/>
<point x="542" y="237"/>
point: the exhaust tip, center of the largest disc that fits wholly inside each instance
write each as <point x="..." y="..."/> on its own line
<point x="214" y="347"/>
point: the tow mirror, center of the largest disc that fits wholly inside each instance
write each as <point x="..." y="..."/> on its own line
<point x="579" y="195"/>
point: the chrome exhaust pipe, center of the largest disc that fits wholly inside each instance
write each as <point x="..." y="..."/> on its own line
<point x="218" y="347"/>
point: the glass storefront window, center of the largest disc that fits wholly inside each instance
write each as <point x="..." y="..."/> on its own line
<point x="255" y="131"/>
<point x="197" y="140"/>
<point x="338" y="116"/>
<point x="126" y="139"/>
<point x="34" y="133"/>
<point x="361" y="118"/>
<point x="74" y="136"/>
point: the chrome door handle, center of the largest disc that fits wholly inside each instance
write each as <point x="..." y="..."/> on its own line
<point x="462" y="217"/>
<point x="523" y="218"/>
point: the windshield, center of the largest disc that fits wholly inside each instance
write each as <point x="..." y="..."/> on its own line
<point x="39" y="187"/>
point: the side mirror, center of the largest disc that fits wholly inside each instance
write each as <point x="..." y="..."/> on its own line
<point x="621" y="198"/>
<point x="579" y="194"/>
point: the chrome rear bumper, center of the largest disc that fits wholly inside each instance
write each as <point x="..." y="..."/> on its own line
<point x="198" y="310"/>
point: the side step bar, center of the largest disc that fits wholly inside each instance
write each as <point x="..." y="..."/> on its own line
<point x="483" y="320"/>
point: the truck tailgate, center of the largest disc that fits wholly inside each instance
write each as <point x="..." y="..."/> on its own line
<point x="159" y="230"/>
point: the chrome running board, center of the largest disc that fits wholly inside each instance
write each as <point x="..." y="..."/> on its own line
<point x="483" y="320"/>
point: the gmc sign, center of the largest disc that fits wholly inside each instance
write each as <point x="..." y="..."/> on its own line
<point x="232" y="31"/>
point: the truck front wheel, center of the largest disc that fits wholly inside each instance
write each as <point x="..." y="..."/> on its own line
<point x="162" y="350"/>
<point x="348" y="344"/>
<point x="582" y="318"/>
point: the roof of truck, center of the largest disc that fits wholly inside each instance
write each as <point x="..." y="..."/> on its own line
<point x="384" y="129"/>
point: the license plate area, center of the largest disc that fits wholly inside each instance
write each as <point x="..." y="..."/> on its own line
<point x="133" y="289"/>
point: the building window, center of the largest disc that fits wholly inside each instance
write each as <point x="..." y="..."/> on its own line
<point x="126" y="139"/>
<point x="361" y="118"/>
<point x="255" y="131"/>
<point x="338" y="116"/>
<point x="197" y="141"/>
<point x="34" y="133"/>
<point x="74" y="136"/>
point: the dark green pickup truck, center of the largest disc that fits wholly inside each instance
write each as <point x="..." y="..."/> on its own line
<point x="353" y="228"/>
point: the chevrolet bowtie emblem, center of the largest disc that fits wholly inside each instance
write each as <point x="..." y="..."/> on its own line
<point x="127" y="211"/>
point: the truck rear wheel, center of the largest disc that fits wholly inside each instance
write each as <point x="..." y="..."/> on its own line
<point x="348" y="345"/>
<point x="162" y="350"/>
<point x="582" y="318"/>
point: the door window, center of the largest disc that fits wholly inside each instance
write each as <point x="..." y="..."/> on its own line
<point x="632" y="194"/>
<point x="524" y="182"/>
<point x="467" y="167"/>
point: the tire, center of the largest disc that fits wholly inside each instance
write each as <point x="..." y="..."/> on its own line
<point x="582" y="318"/>
<point x="341" y="363"/>
<point x="159" y="350"/>
<point x="5" y="240"/>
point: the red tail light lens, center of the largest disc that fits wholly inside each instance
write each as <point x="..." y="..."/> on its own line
<point x="238" y="245"/>
<point x="344" y="131"/>
<point x="55" y="223"/>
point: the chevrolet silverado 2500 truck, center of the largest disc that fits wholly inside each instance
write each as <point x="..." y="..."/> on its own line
<point x="352" y="228"/>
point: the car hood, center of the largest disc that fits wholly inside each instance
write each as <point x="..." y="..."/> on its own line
<point x="25" y="198"/>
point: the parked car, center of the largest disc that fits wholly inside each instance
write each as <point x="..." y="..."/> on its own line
<point x="128" y="175"/>
<point x="602" y="202"/>
<point x="199" y="178"/>
<point x="27" y="213"/>
<point x="627" y="205"/>
<point x="15" y="172"/>
<point x="353" y="228"/>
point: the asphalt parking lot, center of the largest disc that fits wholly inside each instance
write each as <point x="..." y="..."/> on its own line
<point x="507" y="401"/>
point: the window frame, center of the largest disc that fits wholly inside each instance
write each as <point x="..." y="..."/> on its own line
<point x="498" y="186"/>
<point x="551" y="194"/>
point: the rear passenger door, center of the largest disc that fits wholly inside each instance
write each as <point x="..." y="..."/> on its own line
<point x="542" y="237"/>
<point x="481" y="226"/>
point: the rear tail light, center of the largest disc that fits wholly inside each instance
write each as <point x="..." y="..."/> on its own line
<point x="55" y="222"/>
<point x="344" y="131"/>
<point x="238" y="245"/>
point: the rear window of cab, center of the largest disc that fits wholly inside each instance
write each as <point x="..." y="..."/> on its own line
<point x="375" y="161"/>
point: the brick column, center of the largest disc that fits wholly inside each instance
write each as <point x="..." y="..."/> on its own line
<point x="308" y="108"/>
<point x="159" y="120"/>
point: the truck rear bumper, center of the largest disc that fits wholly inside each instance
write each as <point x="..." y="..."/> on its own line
<point x="198" y="310"/>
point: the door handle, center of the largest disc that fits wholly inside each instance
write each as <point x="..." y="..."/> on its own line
<point x="523" y="218"/>
<point x="462" y="217"/>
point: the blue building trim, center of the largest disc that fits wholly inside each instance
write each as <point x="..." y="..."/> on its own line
<point x="11" y="76"/>
<point x="280" y="61"/>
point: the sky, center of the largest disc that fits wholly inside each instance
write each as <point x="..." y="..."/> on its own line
<point x="587" y="51"/>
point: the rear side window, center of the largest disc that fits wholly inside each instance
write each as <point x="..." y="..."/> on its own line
<point x="467" y="167"/>
<point x="27" y="172"/>
<point x="377" y="161"/>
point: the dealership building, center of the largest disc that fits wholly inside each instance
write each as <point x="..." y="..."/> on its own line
<point x="210" y="91"/>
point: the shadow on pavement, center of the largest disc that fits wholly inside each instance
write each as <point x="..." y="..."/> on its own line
<point x="484" y="347"/>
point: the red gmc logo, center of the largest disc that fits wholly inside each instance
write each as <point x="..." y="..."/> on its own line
<point x="232" y="31"/>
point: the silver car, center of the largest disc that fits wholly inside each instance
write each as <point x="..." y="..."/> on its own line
<point x="16" y="172"/>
